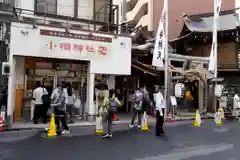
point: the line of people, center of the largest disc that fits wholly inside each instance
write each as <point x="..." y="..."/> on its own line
<point x="140" y="104"/>
<point x="61" y="102"/>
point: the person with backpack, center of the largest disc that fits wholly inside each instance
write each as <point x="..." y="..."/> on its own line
<point x="137" y="107"/>
<point x="41" y="101"/>
<point x="110" y="104"/>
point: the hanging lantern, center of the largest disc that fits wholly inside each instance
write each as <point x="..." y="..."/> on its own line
<point x="218" y="90"/>
<point x="179" y="90"/>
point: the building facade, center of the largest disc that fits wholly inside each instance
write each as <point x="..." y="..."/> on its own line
<point x="139" y="13"/>
<point x="196" y="39"/>
<point x="146" y="13"/>
<point x="70" y="41"/>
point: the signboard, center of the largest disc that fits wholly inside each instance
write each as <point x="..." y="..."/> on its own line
<point x="85" y="46"/>
<point x="105" y="53"/>
<point x="173" y="100"/>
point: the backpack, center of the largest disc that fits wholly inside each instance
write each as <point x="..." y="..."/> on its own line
<point x="45" y="98"/>
<point x="112" y="102"/>
<point x="138" y="100"/>
<point x="138" y="96"/>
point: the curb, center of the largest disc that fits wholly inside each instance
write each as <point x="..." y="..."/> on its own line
<point x="91" y="125"/>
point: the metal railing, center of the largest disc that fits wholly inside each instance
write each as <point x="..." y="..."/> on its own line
<point x="108" y="13"/>
<point x="55" y="20"/>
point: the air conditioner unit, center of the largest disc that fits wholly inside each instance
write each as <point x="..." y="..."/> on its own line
<point x="6" y="68"/>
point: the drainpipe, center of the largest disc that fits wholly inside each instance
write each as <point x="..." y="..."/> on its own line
<point x="76" y="8"/>
<point x="94" y="10"/>
<point x="110" y="17"/>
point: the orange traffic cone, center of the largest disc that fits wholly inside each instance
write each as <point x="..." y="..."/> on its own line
<point x="115" y="118"/>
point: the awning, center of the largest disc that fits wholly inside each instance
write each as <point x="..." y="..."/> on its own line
<point x="144" y="70"/>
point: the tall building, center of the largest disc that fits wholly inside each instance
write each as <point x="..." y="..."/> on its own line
<point x="138" y="13"/>
<point x="189" y="7"/>
<point x="146" y="13"/>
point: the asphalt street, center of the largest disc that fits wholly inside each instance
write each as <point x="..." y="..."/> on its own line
<point x="182" y="141"/>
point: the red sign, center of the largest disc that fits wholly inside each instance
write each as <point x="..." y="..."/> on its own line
<point x="102" y="50"/>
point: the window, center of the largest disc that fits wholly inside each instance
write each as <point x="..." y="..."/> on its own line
<point x="46" y="6"/>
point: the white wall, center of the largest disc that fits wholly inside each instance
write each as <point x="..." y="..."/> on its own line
<point x="237" y="5"/>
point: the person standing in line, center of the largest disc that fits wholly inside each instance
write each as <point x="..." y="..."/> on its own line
<point x="83" y="97"/>
<point x="137" y="107"/>
<point x="159" y="103"/>
<point x="130" y="98"/>
<point x="59" y="109"/>
<point x="146" y="100"/>
<point x="110" y="104"/>
<point x="70" y="101"/>
<point x="39" y="94"/>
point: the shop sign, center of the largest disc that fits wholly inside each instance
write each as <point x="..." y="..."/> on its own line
<point x="80" y="48"/>
<point x="105" y="53"/>
<point x="80" y="44"/>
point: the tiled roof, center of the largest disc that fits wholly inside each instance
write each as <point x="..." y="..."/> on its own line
<point x="205" y="24"/>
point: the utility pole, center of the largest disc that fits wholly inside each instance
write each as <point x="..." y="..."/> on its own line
<point x="166" y="57"/>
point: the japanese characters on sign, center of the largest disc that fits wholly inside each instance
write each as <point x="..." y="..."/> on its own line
<point x="102" y="50"/>
<point x="160" y="43"/>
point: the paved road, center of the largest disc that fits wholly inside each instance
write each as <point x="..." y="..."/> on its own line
<point x="182" y="142"/>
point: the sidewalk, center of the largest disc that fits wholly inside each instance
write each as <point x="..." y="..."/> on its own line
<point x="123" y="119"/>
<point x="24" y="131"/>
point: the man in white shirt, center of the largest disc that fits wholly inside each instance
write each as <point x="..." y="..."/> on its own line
<point x="40" y="109"/>
<point x="159" y="103"/>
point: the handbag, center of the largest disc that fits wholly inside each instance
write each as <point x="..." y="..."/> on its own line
<point x="77" y="103"/>
<point x="103" y="112"/>
<point x="50" y="111"/>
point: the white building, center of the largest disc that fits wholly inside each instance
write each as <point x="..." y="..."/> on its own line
<point x="55" y="40"/>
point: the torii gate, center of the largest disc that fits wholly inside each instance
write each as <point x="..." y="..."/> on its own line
<point x="196" y="71"/>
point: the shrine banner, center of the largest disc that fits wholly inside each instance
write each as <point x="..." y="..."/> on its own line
<point x="160" y="43"/>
